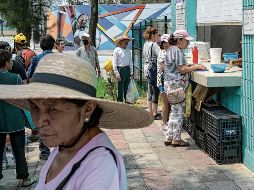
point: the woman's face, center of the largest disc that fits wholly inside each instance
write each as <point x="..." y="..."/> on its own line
<point x="182" y="43"/>
<point x="60" y="46"/>
<point x="58" y="121"/>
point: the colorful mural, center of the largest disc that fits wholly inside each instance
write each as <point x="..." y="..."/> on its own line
<point x="114" y="20"/>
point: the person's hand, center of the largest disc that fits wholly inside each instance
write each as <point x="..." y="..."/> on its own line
<point x="230" y="64"/>
<point x="200" y="67"/>
<point x="118" y="78"/>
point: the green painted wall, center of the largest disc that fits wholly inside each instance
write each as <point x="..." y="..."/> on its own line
<point x="247" y="98"/>
<point x="191" y="18"/>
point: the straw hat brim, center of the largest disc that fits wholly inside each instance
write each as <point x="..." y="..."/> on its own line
<point x="118" y="40"/>
<point x="115" y="115"/>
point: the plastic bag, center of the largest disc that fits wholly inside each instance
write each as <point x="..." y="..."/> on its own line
<point x="132" y="93"/>
<point x="100" y="88"/>
<point x="188" y="101"/>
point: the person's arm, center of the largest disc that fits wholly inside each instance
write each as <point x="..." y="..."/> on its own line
<point x="21" y="69"/>
<point x="237" y="62"/>
<point x="32" y="67"/>
<point x="115" y="55"/>
<point x="97" y="63"/>
<point x="181" y="63"/>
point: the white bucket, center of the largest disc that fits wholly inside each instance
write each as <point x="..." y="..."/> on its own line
<point x="215" y="54"/>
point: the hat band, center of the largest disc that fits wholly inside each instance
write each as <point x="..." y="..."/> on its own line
<point x="63" y="81"/>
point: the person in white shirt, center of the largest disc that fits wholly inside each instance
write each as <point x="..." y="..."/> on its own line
<point x="89" y="53"/>
<point x="122" y="66"/>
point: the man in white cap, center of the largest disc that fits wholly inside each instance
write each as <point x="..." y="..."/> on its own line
<point x="88" y="52"/>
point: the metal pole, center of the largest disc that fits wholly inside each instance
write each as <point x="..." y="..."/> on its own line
<point x="133" y="52"/>
<point x="166" y="24"/>
<point x="140" y="55"/>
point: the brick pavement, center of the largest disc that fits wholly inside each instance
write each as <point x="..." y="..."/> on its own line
<point x="151" y="165"/>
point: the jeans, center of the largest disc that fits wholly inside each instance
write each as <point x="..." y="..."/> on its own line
<point x="18" y="147"/>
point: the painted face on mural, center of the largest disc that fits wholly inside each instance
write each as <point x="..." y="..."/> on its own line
<point x="82" y="20"/>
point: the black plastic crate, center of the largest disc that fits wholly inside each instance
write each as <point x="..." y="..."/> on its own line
<point x="200" y="138"/>
<point x="195" y="117"/>
<point x="221" y="124"/>
<point x="224" y="152"/>
<point x="188" y="126"/>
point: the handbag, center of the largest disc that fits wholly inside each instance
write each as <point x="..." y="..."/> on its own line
<point x="176" y="96"/>
<point x="152" y="70"/>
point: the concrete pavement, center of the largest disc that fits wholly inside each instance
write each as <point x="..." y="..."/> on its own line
<point x="151" y="165"/>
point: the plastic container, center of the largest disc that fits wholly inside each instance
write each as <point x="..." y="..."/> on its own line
<point x="221" y="124"/>
<point x="224" y="152"/>
<point x="219" y="68"/>
<point x="215" y="54"/>
<point x="195" y="55"/>
<point x="230" y="56"/>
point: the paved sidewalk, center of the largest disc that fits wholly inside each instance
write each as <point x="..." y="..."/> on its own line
<point x="151" y="165"/>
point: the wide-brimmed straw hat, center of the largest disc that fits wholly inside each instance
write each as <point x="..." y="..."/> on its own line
<point x="121" y="38"/>
<point x="69" y="77"/>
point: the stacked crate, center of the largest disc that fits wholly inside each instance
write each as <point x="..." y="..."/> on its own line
<point x="223" y="131"/>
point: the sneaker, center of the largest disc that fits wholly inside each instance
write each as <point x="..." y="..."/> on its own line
<point x="5" y="165"/>
<point x="44" y="156"/>
<point x="164" y="127"/>
<point x="29" y="181"/>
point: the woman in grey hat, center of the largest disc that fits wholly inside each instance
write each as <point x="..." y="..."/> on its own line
<point x="61" y="97"/>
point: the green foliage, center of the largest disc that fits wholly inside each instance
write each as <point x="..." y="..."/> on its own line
<point x="111" y="88"/>
<point x="25" y="15"/>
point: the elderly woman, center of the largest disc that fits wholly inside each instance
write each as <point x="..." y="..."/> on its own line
<point x="12" y="121"/>
<point x="61" y="97"/>
<point x="177" y="78"/>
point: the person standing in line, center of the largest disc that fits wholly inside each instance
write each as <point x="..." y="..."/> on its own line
<point x="122" y="66"/>
<point x="177" y="76"/>
<point x="149" y="59"/>
<point x="164" y="45"/>
<point x="12" y="123"/>
<point x="47" y="43"/>
<point x="60" y="45"/>
<point x="89" y="53"/>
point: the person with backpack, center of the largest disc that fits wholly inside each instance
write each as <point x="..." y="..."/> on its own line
<point x="24" y="53"/>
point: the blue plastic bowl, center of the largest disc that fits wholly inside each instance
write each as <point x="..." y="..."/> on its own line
<point x="230" y="56"/>
<point x="219" y="68"/>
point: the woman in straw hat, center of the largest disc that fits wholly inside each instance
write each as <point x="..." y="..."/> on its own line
<point x="61" y="97"/>
<point x="122" y="66"/>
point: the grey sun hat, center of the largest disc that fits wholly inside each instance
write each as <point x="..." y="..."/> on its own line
<point x="69" y="77"/>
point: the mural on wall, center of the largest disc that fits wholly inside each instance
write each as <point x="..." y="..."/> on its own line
<point x="115" y="20"/>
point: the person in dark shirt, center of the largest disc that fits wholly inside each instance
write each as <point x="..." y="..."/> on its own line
<point x="16" y="68"/>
